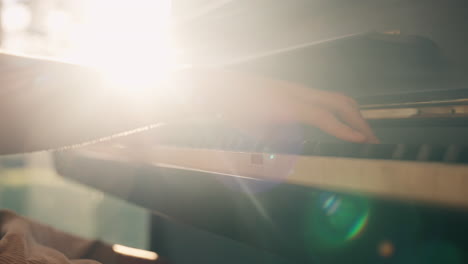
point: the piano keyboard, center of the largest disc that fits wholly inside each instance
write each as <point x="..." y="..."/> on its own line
<point x="290" y="141"/>
<point x="382" y="170"/>
<point x="403" y="152"/>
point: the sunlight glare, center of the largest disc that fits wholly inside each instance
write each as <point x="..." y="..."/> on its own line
<point x="128" y="41"/>
<point x="134" y="252"/>
<point x="15" y="17"/>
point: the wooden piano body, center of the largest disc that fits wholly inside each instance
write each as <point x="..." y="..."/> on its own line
<point x="301" y="196"/>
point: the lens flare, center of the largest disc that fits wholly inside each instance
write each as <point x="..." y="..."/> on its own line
<point x="335" y="219"/>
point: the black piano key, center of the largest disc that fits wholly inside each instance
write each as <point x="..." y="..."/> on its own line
<point x="452" y="153"/>
<point x="411" y="152"/>
<point x="227" y="141"/>
<point x="424" y="152"/>
<point x="204" y="141"/>
<point x="244" y="143"/>
<point x="437" y="153"/>
<point x="250" y="144"/>
<point x="463" y="156"/>
<point x="350" y="150"/>
<point x="332" y="150"/>
<point x="399" y="152"/>
<point x="384" y="151"/>
<point x="366" y="151"/>
<point x="222" y="141"/>
<point x="232" y="140"/>
<point x="217" y="140"/>
<point x="236" y="143"/>
<point x="429" y="152"/>
<point x="327" y="150"/>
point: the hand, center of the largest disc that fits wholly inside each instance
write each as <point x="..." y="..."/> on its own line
<point x="258" y="101"/>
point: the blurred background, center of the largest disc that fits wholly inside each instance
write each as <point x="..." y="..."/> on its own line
<point x="106" y="34"/>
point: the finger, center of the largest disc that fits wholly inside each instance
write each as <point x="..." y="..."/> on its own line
<point x="353" y="118"/>
<point x="347" y="110"/>
<point x="330" y="124"/>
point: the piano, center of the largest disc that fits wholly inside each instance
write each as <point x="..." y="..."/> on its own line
<point x="299" y="195"/>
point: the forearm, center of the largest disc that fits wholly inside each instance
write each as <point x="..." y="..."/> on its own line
<point x="46" y="105"/>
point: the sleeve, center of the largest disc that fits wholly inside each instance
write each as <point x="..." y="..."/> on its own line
<point x="25" y="241"/>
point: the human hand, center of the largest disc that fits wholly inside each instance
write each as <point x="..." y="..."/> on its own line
<point x="259" y="101"/>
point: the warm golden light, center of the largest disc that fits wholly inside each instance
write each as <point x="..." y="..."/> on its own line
<point x="386" y="249"/>
<point x="128" y="41"/>
<point x="15" y="18"/>
<point x="133" y="252"/>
